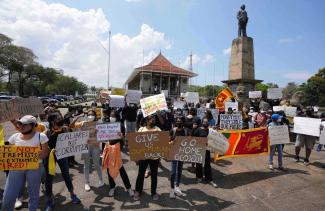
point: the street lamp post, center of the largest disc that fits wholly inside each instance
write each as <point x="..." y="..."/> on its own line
<point x="108" y="54"/>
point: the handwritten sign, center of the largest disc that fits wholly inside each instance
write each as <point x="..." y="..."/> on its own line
<point x="232" y="105"/>
<point x="148" y="145"/>
<point x="152" y="104"/>
<point x="192" y="97"/>
<point x="274" y="93"/>
<point x="133" y="96"/>
<point x="19" y="157"/>
<point x="69" y="144"/>
<point x="116" y="101"/>
<point x="279" y="134"/>
<point x="200" y="112"/>
<point x="188" y="149"/>
<point x="254" y="94"/>
<point x="179" y="104"/>
<point x="231" y="121"/>
<point x="215" y="114"/>
<point x="19" y="107"/>
<point x="307" y="126"/>
<point x="217" y="142"/>
<point x="278" y="108"/>
<point x="290" y="111"/>
<point x="107" y="132"/>
<point x="322" y="137"/>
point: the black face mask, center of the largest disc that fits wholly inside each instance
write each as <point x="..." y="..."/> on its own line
<point x="60" y="123"/>
<point x="151" y="124"/>
<point x="106" y="119"/>
<point x="179" y="125"/>
<point x="27" y="132"/>
<point x="205" y="125"/>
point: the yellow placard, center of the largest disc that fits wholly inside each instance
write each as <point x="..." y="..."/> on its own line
<point x="118" y="91"/>
<point x="19" y="157"/>
<point x="2" y="135"/>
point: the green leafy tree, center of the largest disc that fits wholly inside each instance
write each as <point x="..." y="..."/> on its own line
<point x="314" y="89"/>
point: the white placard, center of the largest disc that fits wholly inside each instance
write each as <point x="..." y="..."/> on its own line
<point x="152" y="104"/>
<point x="255" y="94"/>
<point x="192" y="97"/>
<point x="217" y="142"/>
<point x="200" y="112"/>
<point x="233" y="105"/>
<point x="322" y="137"/>
<point x="231" y="121"/>
<point x="278" y="108"/>
<point x="108" y="132"/>
<point x="133" y="96"/>
<point x="165" y="92"/>
<point x="279" y="134"/>
<point x="274" y="93"/>
<point x="69" y="144"/>
<point x="215" y="114"/>
<point x="117" y="101"/>
<point x="290" y="111"/>
<point x="307" y="126"/>
<point x="179" y="104"/>
<point x="207" y="105"/>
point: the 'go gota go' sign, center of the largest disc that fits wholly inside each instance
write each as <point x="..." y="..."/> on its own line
<point x="19" y="157"/>
<point x="148" y="145"/>
<point x="188" y="149"/>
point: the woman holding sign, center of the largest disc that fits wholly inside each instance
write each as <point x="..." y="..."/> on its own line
<point x="16" y="178"/>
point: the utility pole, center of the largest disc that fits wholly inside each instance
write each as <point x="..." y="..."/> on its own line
<point x="109" y="57"/>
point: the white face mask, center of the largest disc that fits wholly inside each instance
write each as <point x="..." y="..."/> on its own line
<point x="91" y="118"/>
<point x="112" y="119"/>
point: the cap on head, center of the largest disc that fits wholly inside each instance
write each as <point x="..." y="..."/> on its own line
<point x="28" y="119"/>
<point x="275" y="117"/>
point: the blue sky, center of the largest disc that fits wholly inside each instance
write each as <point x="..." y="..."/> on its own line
<point x="288" y="35"/>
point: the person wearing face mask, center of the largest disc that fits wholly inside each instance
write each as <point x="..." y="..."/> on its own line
<point x="16" y="178"/>
<point x="93" y="151"/>
<point x="129" y="113"/>
<point x="57" y="128"/>
<point x="204" y="132"/>
<point x="177" y="166"/>
<point x="143" y="164"/>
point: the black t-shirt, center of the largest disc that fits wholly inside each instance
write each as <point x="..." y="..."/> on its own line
<point x="201" y="132"/>
<point x="130" y="113"/>
<point x="53" y="136"/>
<point x="174" y="132"/>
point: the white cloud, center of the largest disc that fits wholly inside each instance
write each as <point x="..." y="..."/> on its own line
<point x="208" y="59"/>
<point x="290" y="39"/>
<point x="69" y="39"/>
<point x="299" y="75"/>
<point x="226" y="51"/>
<point x="133" y="0"/>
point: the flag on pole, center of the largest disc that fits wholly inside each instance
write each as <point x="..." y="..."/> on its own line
<point x="222" y="97"/>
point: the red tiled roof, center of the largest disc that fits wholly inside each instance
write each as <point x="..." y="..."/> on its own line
<point x="161" y="64"/>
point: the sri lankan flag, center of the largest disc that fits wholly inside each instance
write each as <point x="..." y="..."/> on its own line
<point x="246" y="142"/>
<point x="222" y="97"/>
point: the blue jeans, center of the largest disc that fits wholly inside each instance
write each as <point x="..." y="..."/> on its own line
<point x="272" y="152"/>
<point x="177" y="167"/>
<point x="64" y="167"/>
<point x="15" y="183"/>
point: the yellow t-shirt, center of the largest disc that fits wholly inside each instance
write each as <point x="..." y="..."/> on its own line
<point x="40" y="128"/>
<point x="2" y="136"/>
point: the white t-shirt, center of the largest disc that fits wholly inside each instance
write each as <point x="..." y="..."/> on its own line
<point x="38" y="138"/>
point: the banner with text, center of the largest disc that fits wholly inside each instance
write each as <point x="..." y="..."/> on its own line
<point x="19" y="157"/>
<point x="116" y="101"/>
<point x="254" y="94"/>
<point x="231" y="121"/>
<point x="152" y="104"/>
<point x="69" y="144"/>
<point x="307" y="126"/>
<point x="274" y="93"/>
<point x="192" y="97"/>
<point x="108" y="132"/>
<point x="279" y="134"/>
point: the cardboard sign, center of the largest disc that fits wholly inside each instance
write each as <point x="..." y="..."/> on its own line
<point x="233" y="105"/>
<point x="217" y="142"/>
<point x="152" y="104"/>
<point x="69" y="144"/>
<point x="278" y="108"/>
<point x="274" y="93"/>
<point x="255" y="94"/>
<point x="19" y="157"/>
<point x="307" y="126"/>
<point x="231" y="121"/>
<point x="192" y="97"/>
<point x="279" y="134"/>
<point x="19" y="107"/>
<point x="188" y="149"/>
<point x="116" y="101"/>
<point x="107" y="132"/>
<point x="133" y="96"/>
<point x="148" y="145"/>
<point x="179" y="104"/>
<point x="290" y="111"/>
<point x="165" y="92"/>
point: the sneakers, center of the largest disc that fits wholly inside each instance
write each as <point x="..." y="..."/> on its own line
<point x="111" y="192"/>
<point x="271" y="167"/>
<point x="18" y="203"/>
<point x="87" y="187"/>
<point x="136" y="196"/>
<point x="297" y="159"/>
<point x="49" y="205"/>
<point x="282" y="168"/>
<point x="178" y="192"/>
<point x="155" y="197"/>
<point x="131" y="192"/>
<point x="101" y="183"/>
<point x="213" y="184"/>
<point x="172" y="194"/>
<point x="306" y="162"/>
<point x="75" y="199"/>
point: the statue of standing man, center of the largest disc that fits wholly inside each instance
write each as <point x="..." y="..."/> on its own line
<point x="242" y="21"/>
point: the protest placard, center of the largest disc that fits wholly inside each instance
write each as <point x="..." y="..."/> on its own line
<point x="322" y="137"/>
<point x="152" y="104"/>
<point x="278" y="108"/>
<point x="279" y="134"/>
<point x="200" y="112"/>
<point x="217" y="142"/>
<point x="215" y="114"/>
<point x="307" y="126"/>
<point x="178" y="104"/>
<point x="274" y="93"/>
<point x="19" y="157"/>
<point x="192" y="97"/>
<point x="133" y="96"/>
<point x="232" y="105"/>
<point x="118" y="91"/>
<point x="254" y="94"/>
<point x="290" y="111"/>
<point x="188" y="149"/>
<point x="165" y="92"/>
<point x="231" y="121"/>
<point x="148" y="145"/>
<point x="116" y="101"/>
<point x="19" y="107"/>
<point x="69" y="144"/>
<point x="108" y="132"/>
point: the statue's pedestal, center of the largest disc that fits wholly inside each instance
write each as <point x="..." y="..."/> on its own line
<point x="241" y="65"/>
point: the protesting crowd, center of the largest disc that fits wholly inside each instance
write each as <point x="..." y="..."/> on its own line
<point x="181" y="133"/>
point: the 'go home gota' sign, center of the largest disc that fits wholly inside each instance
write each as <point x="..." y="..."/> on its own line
<point x="69" y="144"/>
<point x="18" y="158"/>
<point x="188" y="149"/>
<point x="148" y="145"/>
